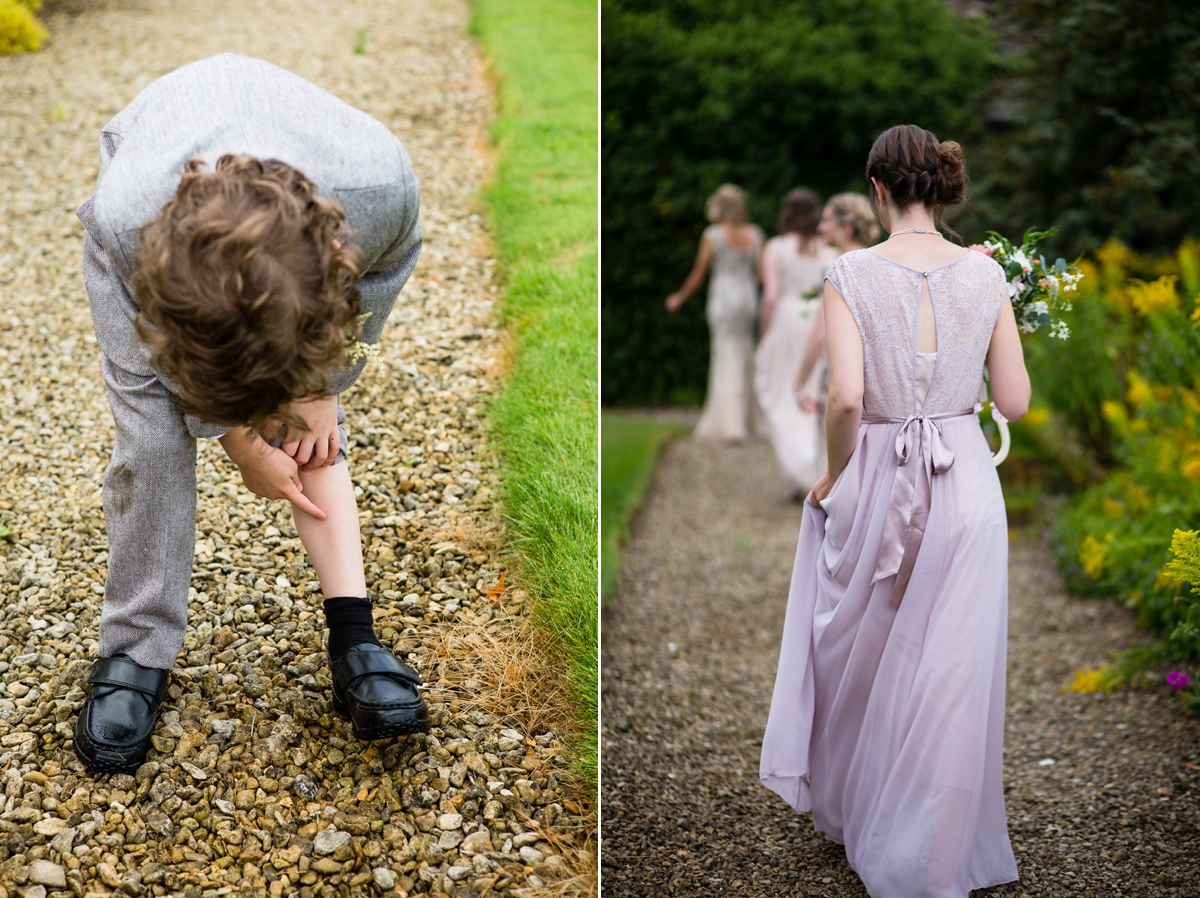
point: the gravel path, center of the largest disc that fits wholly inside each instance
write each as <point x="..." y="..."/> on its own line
<point x="255" y="786"/>
<point x="689" y="654"/>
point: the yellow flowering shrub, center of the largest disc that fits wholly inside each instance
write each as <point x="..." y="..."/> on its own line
<point x="1154" y="297"/>
<point x="20" y="31"/>
<point x="1114" y="412"/>
<point x="1119" y="536"/>
<point x="1184" y="566"/>
<point x="1103" y="679"/>
<point x="1036" y="417"/>
<point x="1091" y="556"/>
<point x="1139" y="392"/>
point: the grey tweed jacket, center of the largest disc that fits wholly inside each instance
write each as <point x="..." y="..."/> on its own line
<point x="234" y="104"/>
<point x="224" y="104"/>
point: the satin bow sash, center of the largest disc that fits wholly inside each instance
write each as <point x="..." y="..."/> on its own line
<point x="921" y="452"/>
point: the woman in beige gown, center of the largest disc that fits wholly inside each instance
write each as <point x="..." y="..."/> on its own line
<point x="793" y="267"/>
<point x="730" y="248"/>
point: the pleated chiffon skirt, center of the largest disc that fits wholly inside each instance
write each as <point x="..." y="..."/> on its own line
<point x="887" y="720"/>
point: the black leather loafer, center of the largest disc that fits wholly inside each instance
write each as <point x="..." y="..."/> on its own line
<point x="113" y="731"/>
<point x="378" y="692"/>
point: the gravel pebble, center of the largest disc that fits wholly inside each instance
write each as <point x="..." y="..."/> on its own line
<point x="48" y="874"/>
<point x="250" y="763"/>
<point x="707" y="568"/>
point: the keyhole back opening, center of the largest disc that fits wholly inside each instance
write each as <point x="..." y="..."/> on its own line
<point x="927" y="340"/>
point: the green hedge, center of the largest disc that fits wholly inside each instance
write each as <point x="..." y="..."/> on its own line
<point x="1099" y="136"/>
<point x="768" y="96"/>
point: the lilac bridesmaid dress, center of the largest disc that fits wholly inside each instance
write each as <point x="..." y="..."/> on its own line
<point x="887" y="719"/>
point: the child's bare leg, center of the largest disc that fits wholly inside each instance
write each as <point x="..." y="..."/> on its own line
<point x="376" y="689"/>
<point x="335" y="544"/>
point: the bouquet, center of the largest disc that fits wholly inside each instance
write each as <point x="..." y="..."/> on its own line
<point x="1036" y="289"/>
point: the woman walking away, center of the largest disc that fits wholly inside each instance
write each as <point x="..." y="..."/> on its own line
<point x="887" y="720"/>
<point x="730" y="245"/>
<point x="793" y="266"/>
<point x="847" y="223"/>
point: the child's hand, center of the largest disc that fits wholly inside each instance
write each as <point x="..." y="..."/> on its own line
<point x="266" y="471"/>
<point x="318" y="446"/>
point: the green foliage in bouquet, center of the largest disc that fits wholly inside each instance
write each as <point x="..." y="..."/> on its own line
<point x="1116" y="536"/>
<point x="766" y="95"/>
<point x="20" y="31"/>
<point x="1035" y="288"/>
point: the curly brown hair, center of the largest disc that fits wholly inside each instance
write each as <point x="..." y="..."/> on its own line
<point x="246" y="288"/>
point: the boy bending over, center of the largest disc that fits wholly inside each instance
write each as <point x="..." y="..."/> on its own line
<point x="242" y="222"/>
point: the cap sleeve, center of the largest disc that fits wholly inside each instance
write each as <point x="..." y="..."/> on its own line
<point x="1001" y="288"/>
<point x="835" y="274"/>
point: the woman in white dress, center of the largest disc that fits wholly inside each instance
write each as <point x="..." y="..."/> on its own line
<point x="730" y="248"/>
<point x="793" y="267"/>
<point x="847" y="223"/>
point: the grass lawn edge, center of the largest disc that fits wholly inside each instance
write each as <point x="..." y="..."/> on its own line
<point x="543" y="203"/>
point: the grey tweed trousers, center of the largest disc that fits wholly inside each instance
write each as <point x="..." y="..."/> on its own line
<point x="150" y="515"/>
<point x="223" y="104"/>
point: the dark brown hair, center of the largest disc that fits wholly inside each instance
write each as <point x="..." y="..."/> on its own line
<point x="915" y="167"/>
<point x="246" y="288"/>
<point x="800" y="213"/>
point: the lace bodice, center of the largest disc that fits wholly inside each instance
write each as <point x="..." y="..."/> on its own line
<point x="884" y="298"/>
<point x="798" y="273"/>
<point x="729" y="262"/>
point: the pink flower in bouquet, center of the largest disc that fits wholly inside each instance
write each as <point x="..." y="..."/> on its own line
<point x="1177" y="680"/>
<point x="981" y="248"/>
<point x="1042" y="282"/>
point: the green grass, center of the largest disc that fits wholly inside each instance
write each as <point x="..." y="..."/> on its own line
<point x="629" y="446"/>
<point x="544" y="206"/>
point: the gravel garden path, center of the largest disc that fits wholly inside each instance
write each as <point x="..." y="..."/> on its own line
<point x="1103" y="791"/>
<point x="254" y="785"/>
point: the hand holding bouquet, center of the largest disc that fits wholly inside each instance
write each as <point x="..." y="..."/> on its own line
<point x="1035" y="288"/>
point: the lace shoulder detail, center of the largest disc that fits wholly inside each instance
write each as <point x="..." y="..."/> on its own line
<point x="968" y="296"/>
<point x="882" y="296"/>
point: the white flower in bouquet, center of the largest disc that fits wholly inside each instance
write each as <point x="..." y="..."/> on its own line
<point x="1035" y="288"/>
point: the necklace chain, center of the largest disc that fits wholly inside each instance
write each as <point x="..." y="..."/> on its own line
<point x="913" y="231"/>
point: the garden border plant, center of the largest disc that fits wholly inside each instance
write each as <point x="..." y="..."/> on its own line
<point x="543" y="203"/>
<point x="20" y="30"/>
<point x="1127" y="535"/>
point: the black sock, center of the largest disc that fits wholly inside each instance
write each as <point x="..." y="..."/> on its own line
<point x="350" y="624"/>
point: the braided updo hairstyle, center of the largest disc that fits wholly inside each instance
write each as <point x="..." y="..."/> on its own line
<point x="915" y="167"/>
